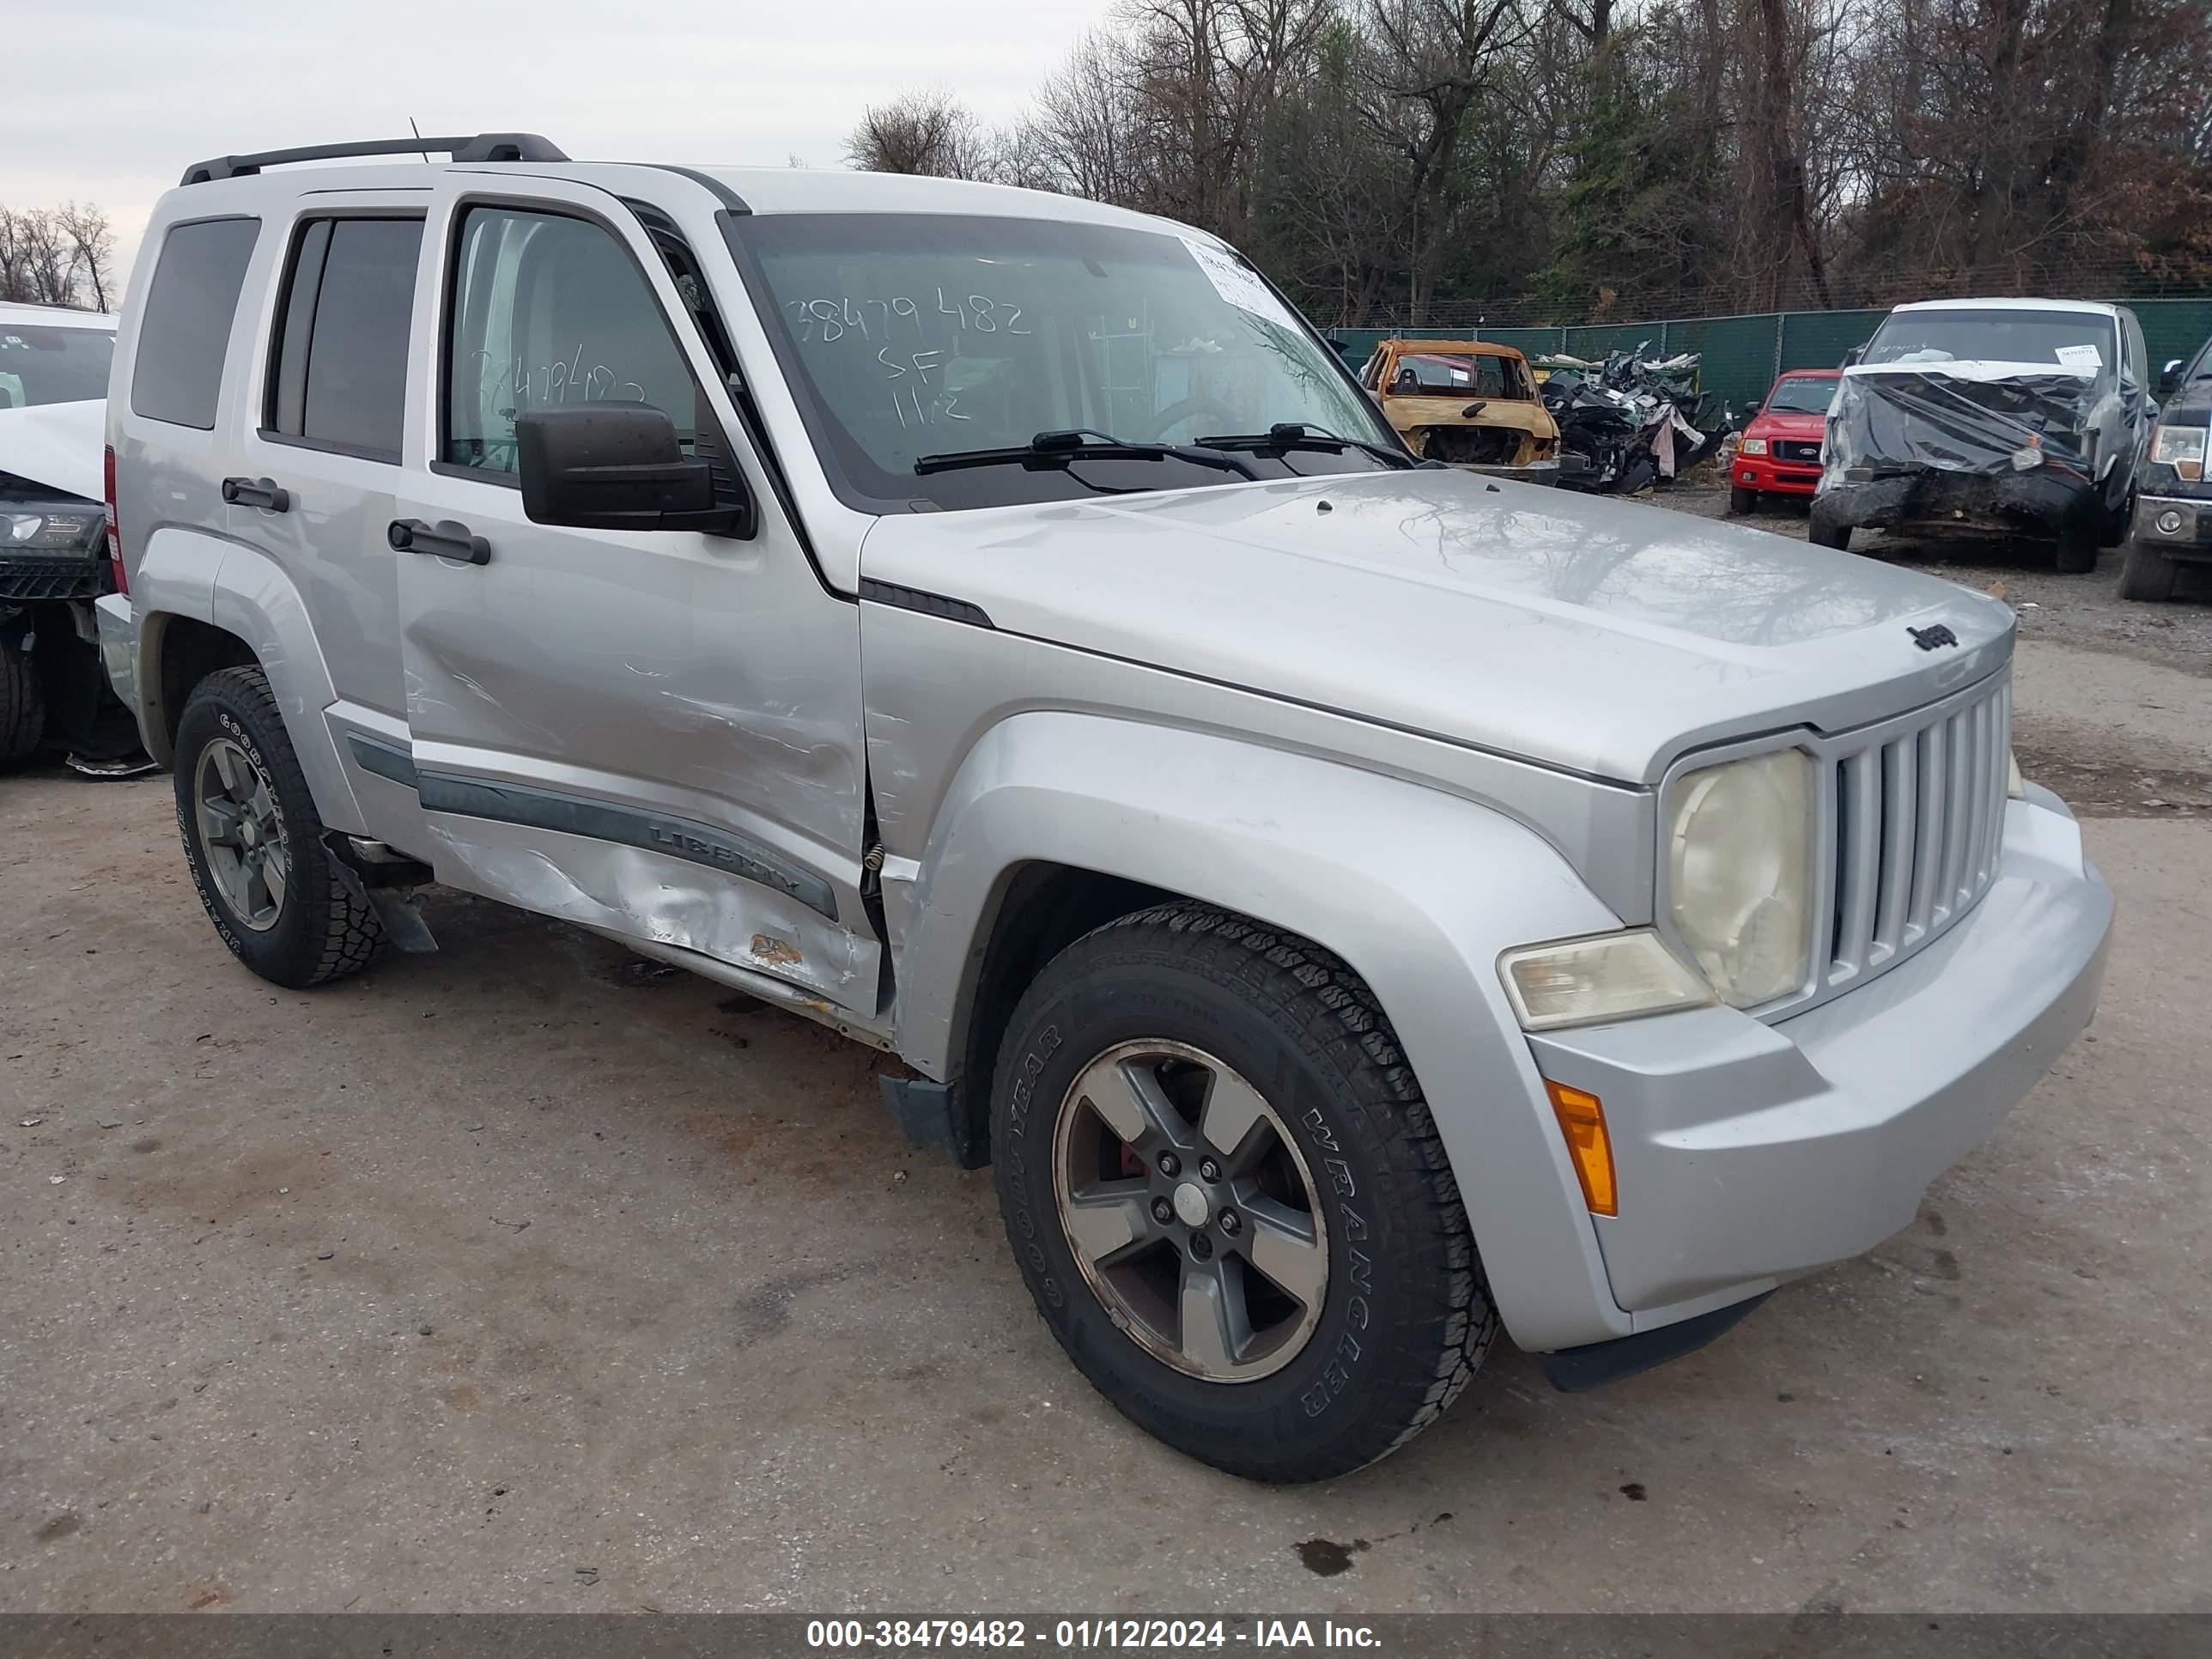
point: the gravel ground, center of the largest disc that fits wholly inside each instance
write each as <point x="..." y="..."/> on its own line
<point x="530" y="1277"/>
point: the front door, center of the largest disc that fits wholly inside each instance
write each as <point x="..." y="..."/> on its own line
<point x="656" y="734"/>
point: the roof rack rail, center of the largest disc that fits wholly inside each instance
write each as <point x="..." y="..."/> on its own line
<point x="483" y="147"/>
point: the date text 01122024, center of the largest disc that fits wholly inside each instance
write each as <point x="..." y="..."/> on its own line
<point x="1079" y="1634"/>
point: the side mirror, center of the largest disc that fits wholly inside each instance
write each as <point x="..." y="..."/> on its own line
<point x="2169" y="379"/>
<point x="615" y="465"/>
<point x="1856" y="355"/>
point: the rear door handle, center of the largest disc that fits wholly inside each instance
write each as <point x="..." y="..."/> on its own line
<point x="257" y="492"/>
<point x="444" y="539"/>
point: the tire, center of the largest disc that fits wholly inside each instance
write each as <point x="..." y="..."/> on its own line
<point x="1394" y="1317"/>
<point x="2076" y="555"/>
<point x="1828" y="530"/>
<point x="2148" y="574"/>
<point x="1742" y="503"/>
<point x="305" y="919"/>
<point x="22" y="704"/>
<point x="1639" y="475"/>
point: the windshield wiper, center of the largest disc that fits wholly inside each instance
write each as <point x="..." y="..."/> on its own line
<point x="1082" y="444"/>
<point x="1304" y="434"/>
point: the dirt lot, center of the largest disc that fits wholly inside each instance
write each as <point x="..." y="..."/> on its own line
<point x="528" y="1276"/>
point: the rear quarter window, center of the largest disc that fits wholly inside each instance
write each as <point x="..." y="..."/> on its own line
<point x="184" y="331"/>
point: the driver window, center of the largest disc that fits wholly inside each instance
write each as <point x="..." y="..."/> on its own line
<point x="549" y="313"/>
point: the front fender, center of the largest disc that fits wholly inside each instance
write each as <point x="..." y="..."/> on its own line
<point x="1417" y="889"/>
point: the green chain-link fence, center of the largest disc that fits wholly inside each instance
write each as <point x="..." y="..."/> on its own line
<point x="1742" y="355"/>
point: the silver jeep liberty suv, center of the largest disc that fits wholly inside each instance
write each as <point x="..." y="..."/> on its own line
<point x="1355" y="905"/>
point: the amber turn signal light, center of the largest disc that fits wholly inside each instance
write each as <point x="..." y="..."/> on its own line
<point x="1581" y="1120"/>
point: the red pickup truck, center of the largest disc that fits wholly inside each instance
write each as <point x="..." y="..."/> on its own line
<point x="1780" y="451"/>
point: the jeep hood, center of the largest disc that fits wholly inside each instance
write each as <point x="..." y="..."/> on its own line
<point x="1596" y="635"/>
<point x="56" y="446"/>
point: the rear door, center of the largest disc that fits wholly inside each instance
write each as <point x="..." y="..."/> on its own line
<point x="320" y="462"/>
<point x="654" y="733"/>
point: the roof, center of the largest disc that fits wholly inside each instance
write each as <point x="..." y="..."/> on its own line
<point x="2089" y="307"/>
<point x="1810" y="374"/>
<point x="826" y="190"/>
<point x="751" y="190"/>
<point x="55" y="317"/>
<point x="1464" y="347"/>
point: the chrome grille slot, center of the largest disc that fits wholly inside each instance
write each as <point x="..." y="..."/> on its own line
<point x="1915" y="815"/>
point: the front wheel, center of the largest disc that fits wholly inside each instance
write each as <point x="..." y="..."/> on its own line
<point x="1829" y="528"/>
<point x="1224" y="1190"/>
<point x="22" y="700"/>
<point x="1742" y="503"/>
<point x="2077" y="554"/>
<point x="2148" y="574"/>
<point x="283" y="904"/>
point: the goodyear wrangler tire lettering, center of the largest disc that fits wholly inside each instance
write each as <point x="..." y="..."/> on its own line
<point x="1125" y="1047"/>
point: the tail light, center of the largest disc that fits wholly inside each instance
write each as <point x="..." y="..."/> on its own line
<point x="114" y="534"/>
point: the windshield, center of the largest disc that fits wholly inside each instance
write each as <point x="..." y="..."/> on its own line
<point x="911" y="335"/>
<point x="1476" y="374"/>
<point x="2060" y="339"/>
<point x="43" y="365"/>
<point x="1801" y="397"/>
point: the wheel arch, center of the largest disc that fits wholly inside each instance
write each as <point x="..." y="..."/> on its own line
<point x="204" y="605"/>
<point x="1059" y="822"/>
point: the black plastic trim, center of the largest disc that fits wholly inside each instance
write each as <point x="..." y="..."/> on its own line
<point x="481" y="147"/>
<point x="930" y="604"/>
<point x="597" y="820"/>
<point x="731" y="201"/>
<point x="386" y="760"/>
<point x="1574" y="1370"/>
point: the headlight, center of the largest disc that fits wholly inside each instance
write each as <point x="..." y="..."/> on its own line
<point x="1587" y="981"/>
<point x="2181" y="448"/>
<point x="1751" y="446"/>
<point x="55" y="532"/>
<point x="1740" y="860"/>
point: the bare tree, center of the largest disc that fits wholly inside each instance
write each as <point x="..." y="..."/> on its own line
<point x="92" y="252"/>
<point x="929" y="131"/>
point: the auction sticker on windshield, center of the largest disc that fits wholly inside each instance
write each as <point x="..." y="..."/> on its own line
<point x="2080" y="356"/>
<point x="1238" y="284"/>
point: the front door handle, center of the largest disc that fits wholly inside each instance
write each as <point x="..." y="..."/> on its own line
<point x="257" y="492"/>
<point x="444" y="539"/>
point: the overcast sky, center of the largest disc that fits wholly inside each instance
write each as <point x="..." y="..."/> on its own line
<point x="108" y="100"/>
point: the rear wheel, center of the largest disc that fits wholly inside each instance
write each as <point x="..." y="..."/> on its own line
<point x="2148" y="574"/>
<point x="1225" y="1192"/>
<point x="1741" y="501"/>
<point x="285" y="908"/>
<point x="23" y="701"/>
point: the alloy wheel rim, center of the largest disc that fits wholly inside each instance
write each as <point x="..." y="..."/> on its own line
<point x="1190" y="1211"/>
<point x="241" y="831"/>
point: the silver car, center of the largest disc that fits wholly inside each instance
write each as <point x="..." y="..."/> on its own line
<point x="1356" y="906"/>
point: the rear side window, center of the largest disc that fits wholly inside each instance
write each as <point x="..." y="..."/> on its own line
<point x="185" y="329"/>
<point x="338" y="372"/>
<point x="549" y="313"/>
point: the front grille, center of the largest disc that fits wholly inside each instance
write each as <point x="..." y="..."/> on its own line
<point x="1917" y="825"/>
<point x="52" y="579"/>
<point x="1802" y="451"/>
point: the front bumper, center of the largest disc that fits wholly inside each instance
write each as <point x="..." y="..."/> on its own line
<point x="1770" y="475"/>
<point x="1748" y="1153"/>
<point x="2176" y="525"/>
<point x="2043" y="501"/>
<point x="1535" y="472"/>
